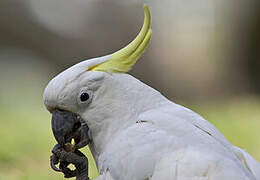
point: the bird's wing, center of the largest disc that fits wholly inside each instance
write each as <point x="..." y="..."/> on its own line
<point x="248" y="161"/>
<point x="192" y="164"/>
<point x="176" y="117"/>
<point x="180" y="121"/>
<point x="157" y="142"/>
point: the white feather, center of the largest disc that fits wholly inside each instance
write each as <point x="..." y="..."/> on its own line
<point x="138" y="134"/>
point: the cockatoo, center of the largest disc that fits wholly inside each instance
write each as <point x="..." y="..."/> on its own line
<point x="133" y="131"/>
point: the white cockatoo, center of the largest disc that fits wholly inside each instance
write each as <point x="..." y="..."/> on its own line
<point x="135" y="132"/>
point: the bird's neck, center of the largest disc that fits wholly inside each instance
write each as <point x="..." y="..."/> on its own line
<point x="130" y="98"/>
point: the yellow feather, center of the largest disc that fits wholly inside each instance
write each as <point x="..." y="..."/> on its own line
<point x="124" y="59"/>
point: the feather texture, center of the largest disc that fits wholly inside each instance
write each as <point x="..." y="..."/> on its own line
<point x="137" y="133"/>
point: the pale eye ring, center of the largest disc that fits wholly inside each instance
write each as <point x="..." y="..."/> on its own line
<point x="85" y="96"/>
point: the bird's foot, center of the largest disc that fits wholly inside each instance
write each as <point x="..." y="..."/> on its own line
<point x="64" y="158"/>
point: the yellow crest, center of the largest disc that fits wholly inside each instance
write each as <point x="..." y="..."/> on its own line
<point x="124" y="59"/>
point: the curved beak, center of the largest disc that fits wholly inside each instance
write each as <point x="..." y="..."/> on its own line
<point x="67" y="126"/>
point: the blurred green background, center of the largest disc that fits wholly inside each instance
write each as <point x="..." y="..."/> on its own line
<point x="204" y="54"/>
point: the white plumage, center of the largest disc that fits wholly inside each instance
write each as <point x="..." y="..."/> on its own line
<point x="137" y="133"/>
<point x="168" y="141"/>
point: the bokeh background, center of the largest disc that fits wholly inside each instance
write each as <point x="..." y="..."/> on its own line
<point x="204" y="54"/>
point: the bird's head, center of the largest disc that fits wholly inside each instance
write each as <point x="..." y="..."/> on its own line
<point x="88" y="93"/>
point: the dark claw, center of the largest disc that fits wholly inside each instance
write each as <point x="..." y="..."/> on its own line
<point x="66" y="171"/>
<point x="77" y="158"/>
<point x="67" y="126"/>
<point x="54" y="161"/>
<point x="55" y="148"/>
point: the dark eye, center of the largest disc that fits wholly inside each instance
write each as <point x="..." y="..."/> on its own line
<point x="84" y="97"/>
